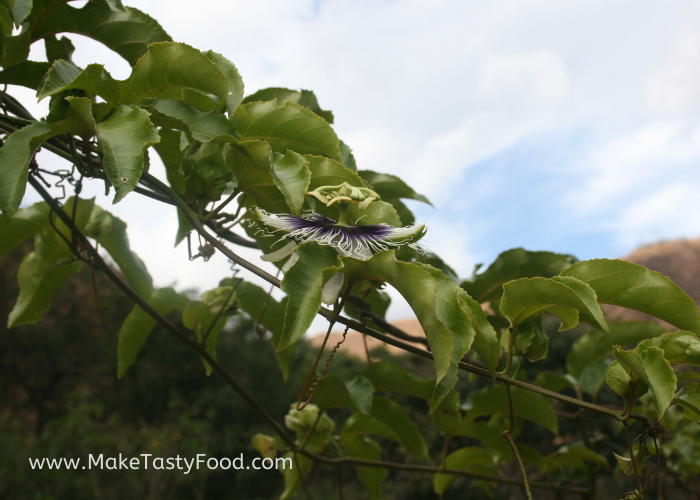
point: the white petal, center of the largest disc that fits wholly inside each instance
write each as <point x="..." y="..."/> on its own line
<point x="331" y="289"/>
<point x="281" y="253"/>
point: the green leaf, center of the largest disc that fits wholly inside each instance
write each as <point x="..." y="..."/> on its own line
<point x="346" y="157"/>
<point x="529" y="339"/>
<point x="447" y="418"/>
<point x="360" y="392"/>
<point x="454" y="313"/>
<point x="16" y="49"/>
<point x="679" y="347"/>
<point x="202" y="126"/>
<point x="648" y="363"/>
<point x="597" y="345"/>
<point x="443" y="315"/>
<point x="390" y="187"/>
<point x="486" y="340"/>
<point x="618" y="379"/>
<point x="525" y="297"/>
<point x="124" y="137"/>
<point x="490" y="433"/>
<point x="392" y="415"/>
<point x="290" y="126"/>
<point x="41" y="274"/>
<point x="291" y="175"/>
<point x="689" y="399"/>
<point x="25" y="223"/>
<point x="199" y="316"/>
<point x="334" y="392"/>
<point x="170" y="153"/>
<point x="592" y="377"/>
<point x="626" y="462"/>
<point x="329" y="172"/>
<point x="235" y="82"/>
<point x="167" y="71"/>
<point x="305" y="98"/>
<point x="58" y="48"/>
<point x="360" y="424"/>
<point x="469" y="459"/>
<point x="554" y="381"/>
<point x="251" y="163"/>
<point x="205" y="173"/>
<point x="302" y="284"/>
<point x="252" y="299"/>
<point x="264" y="445"/>
<point x="19" y="9"/>
<point x="512" y="265"/>
<point x="367" y="449"/>
<point x="527" y="405"/>
<point x="393" y="377"/>
<point x="28" y="74"/>
<point x="292" y="475"/>
<point x="127" y="31"/>
<point x="116" y="242"/>
<point x="138" y="325"/>
<point x="388" y="419"/>
<point x="15" y="155"/>
<point x="367" y="295"/>
<point x="625" y="284"/>
<point x="572" y="456"/>
<point x="78" y="119"/>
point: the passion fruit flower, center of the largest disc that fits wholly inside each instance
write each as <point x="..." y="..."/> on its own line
<point x="358" y="242"/>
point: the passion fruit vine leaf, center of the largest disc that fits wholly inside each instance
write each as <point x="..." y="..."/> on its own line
<point x="15" y="155"/>
<point x="564" y="298"/>
<point x="168" y="70"/>
<point x="124" y="137"/>
<point x="446" y="319"/>
<point x="630" y="285"/>
<point x="289" y="126"/>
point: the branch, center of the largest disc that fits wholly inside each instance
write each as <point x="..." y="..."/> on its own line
<point x="437" y="470"/>
<point x="194" y="220"/>
<point x="357" y="326"/>
<point x="182" y="337"/>
<point x="391" y="329"/>
<point x="161" y="320"/>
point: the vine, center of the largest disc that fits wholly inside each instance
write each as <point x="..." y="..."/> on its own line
<point x="276" y="155"/>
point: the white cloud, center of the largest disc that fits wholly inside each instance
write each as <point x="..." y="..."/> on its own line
<point x="675" y="87"/>
<point x="538" y="77"/>
<point x="635" y="161"/>
<point x="668" y="213"/>
<point x="426" y="90"/>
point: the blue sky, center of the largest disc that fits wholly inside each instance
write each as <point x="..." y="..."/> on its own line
<point x="567" y="126"/>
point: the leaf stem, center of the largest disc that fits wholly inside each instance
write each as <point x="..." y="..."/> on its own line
<point x="221" y="311"/>
<point x="508" y="435"/>
<point x="221" y="206"/>
<point x="629" y="447"/>
<point x="509" y="360"/>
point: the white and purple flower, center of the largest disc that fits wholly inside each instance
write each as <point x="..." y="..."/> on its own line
<point x="358" y="242"/>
